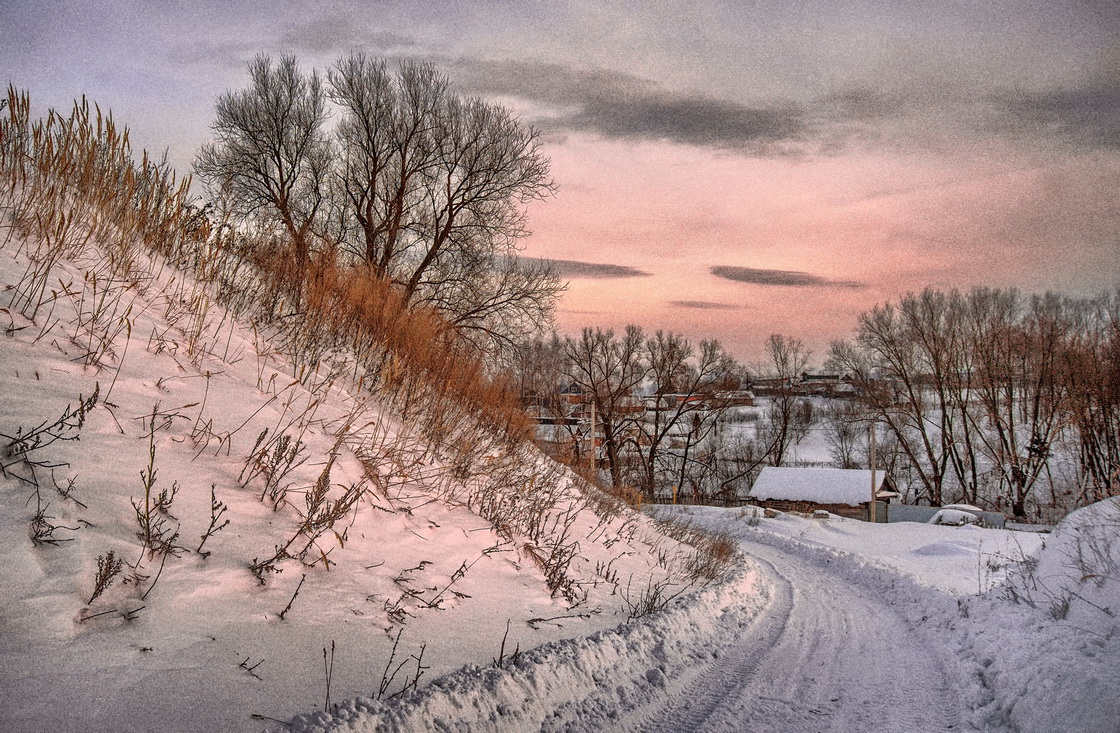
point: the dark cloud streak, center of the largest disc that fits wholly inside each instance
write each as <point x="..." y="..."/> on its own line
<point x="704" y="305"/>
<point x="1088" y="115"/>
<point x="594" y="270"/>
<point x="787" y="278"/>
<point x="623" y="106"/>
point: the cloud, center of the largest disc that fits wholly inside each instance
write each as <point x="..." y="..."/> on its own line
<point x="1088" y="115"/>
<point x="594" y="270"/>
<point x="861" y="104"/>
<point x="225" y="55"/>
<point x="924" y="114"/>
<point x="789" y="278"/>
<point x="703" y="305"/>
<point x="341" y="32"/>
<point x="623" y="106"/>
<point x="330" y="35"/>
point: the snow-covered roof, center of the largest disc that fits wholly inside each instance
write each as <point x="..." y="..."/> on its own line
<point x="821" y="485"/>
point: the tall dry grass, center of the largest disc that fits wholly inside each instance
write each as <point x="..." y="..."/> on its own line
<point x="71" y="189"/>
<point x="67" y="181"/>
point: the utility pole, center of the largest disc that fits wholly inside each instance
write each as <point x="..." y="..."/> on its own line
<point x="594" y="465"/>
<point x="874" y="489"/>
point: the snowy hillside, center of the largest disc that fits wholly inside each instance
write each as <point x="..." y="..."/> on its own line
<point x="187" y="527"/>
<point x="240" y="495"/>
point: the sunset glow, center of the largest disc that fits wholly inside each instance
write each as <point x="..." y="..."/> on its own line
<point x="777" y="169"/>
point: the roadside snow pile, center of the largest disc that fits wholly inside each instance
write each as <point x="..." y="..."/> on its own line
<point x="1077" y="574"/>
<point x="1061" y="669"/>
<point x="593" y="680"/>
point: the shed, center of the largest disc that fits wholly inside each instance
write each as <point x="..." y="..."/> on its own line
<point x="843" y="491"/>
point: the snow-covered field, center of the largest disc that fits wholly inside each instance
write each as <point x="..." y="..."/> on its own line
<point x="962" y="560"/>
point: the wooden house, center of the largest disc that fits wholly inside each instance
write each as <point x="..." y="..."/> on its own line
<point x="842" y="491"/>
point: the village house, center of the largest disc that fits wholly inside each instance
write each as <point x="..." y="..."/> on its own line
<point x="842" y="491"/>
<point x="832" y="386"/>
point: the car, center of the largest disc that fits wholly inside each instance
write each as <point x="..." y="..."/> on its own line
<point x="949" y="515"/>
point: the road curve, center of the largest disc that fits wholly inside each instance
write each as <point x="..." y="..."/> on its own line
<point x="826" y="655"/>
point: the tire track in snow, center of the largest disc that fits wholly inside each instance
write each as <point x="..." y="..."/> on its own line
<point x="828" y="655"/>
<point x="703" y="697"/>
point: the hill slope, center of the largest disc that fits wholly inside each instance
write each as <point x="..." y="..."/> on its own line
<point x="194" y="535"/>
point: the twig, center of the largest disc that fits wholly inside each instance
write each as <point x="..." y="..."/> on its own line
<point x="162" y="562"/>
<point x="386" y="678"/>
<point x="500" y="661"/>
<point x="328" y="671"/>
<point x="251" y="670"/>
<point x="103" y="613"/>
<point x="293" y="599"/>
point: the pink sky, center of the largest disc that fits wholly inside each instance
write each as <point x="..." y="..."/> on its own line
<point x="867" y="148"/>
<point x="876" y="225"/>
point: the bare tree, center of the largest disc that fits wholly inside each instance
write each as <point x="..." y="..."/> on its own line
<point x="887" y="366"/>
<point x="435" y="183"/>
<point x="1018" y="385"/>
<point x="488" y="167"/>
<point x="787" y="419"/>
<point x="1091" y="371"/>
<point x="978" y="388"/>
<point x="846" y="425"/>
<point x="541" y="371"/>
<point x="609" y="370"/>
<point x="387" y="140"/>
<point x="689" y="397"/>
<point x="498" y="302"/>
<point x="935" y="325"/>
<point x="270" y="157"/>
<point x="419" y="186"/>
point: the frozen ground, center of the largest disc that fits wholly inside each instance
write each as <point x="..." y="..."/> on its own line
<point x="193" y="640"/>
<point x="831" y="625"/>
<point x="826" y="625"/>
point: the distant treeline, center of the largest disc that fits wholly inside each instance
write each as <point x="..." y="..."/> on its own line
<point x="988" y="397"/>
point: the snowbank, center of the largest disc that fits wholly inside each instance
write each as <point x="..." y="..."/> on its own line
<point x="593" y="679"/>
<point x="1063" y="671"/>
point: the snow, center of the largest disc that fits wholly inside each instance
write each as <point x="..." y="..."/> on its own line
<point x="827" y="623"/>
<point x="964" y="508"/>
<point x="819" y="629"/>
<point x="198" y="642"/>
<point x="953" y="517"/>
<point x="958" y="560"/>
<point x="819" y="485"/>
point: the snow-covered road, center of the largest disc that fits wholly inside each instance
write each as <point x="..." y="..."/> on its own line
<point x="825" y="655"/>
<point x="833" y="626"/>
<point x="794" y="643"/>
